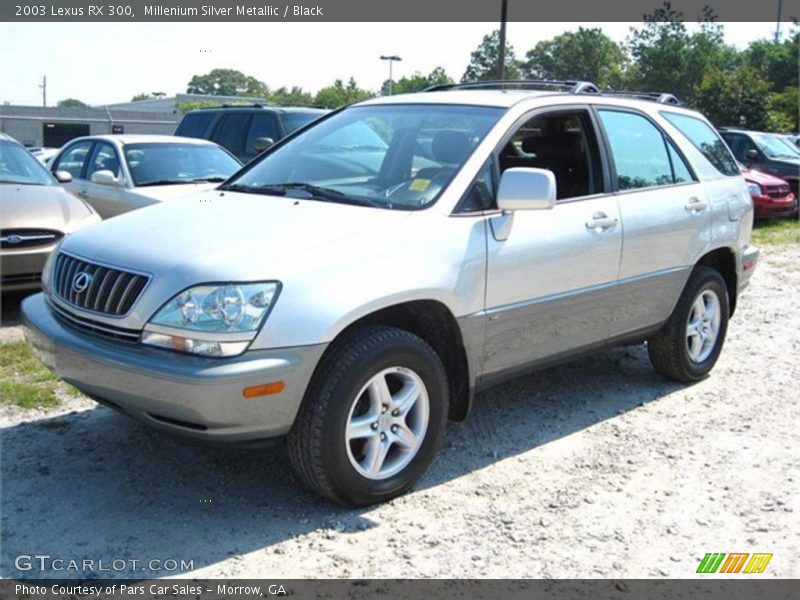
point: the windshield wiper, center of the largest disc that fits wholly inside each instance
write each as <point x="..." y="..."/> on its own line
<point x="166" y="182"/>
<point x="323" y="193"/>
<point x="215" y="179"/>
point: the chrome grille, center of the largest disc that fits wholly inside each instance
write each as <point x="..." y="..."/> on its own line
<point x="777" y="191"/>
<point x="27" y="238"/>
<point x="99" y="288"/>
<point x="101" y="329"/>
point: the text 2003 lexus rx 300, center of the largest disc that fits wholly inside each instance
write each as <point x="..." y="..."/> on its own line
<point x="352" y="287"/>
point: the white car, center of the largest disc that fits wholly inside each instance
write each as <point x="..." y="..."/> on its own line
<point x="119" y="173"/>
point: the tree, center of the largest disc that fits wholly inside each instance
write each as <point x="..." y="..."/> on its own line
<point x="585" y="55"/>
<point x="417" y="82"/>
<point x="140" y="97"/>
<point x="340" y="94"/>
<point x="736" y="97"/>
<point x="227" y="82"/>
<point x="71" y="103"/>
<point x="296" y="96"/>
<point x="485" y="59"/>
<point x="778" y="61"/>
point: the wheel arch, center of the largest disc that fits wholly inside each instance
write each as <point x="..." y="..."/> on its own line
<point x="723" y="260"/>
<point x="433" y="322"/>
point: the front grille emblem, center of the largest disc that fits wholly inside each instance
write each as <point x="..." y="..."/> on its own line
<point x="81" y="281"/>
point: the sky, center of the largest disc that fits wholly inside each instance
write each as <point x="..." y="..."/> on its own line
<point x="101" y="63"/>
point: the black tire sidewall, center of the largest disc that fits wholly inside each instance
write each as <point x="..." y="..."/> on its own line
<point x="409" y="352"/>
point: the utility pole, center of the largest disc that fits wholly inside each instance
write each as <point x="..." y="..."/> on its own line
<point x="502" y="54"/>
<point x="43" y="86"/>
<point x="778" y="24"/>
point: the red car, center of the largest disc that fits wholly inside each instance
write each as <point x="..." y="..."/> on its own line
<point x="772" y="197"/>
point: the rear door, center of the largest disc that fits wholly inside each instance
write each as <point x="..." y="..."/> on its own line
<point x="665" y="215"/>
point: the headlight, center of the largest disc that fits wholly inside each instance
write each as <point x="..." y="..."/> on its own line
<point x="212" y="320"/>
<point x="755" y="189"/>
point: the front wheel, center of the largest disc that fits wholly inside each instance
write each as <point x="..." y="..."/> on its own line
<point x="689" y="345"/>
<point x="373" y="417"/>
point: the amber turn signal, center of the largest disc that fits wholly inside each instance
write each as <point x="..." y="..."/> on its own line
<point x="275" y="387"/>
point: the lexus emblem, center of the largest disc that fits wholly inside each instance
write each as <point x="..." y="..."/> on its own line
<point x="81" y="281"/>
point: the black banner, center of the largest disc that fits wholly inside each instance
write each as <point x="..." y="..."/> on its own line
<point x="384" y="10"/>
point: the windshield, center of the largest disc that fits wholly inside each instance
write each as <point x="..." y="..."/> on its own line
<point x="174" y="163"/>
<point x="390" y="156"/>
<point x="17" y="165"/>
<point x="773" y="147"/>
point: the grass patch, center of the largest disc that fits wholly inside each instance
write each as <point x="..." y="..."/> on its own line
<point x="776" y="232"/>
<point x="25" y="382"/>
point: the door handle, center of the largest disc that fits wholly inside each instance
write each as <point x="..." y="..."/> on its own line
<point x="601" y="221"/>
<point x="83" y="194"/>
<point x="695" y="206"/>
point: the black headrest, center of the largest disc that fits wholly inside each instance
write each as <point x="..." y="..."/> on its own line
<point x="450" y="146"/>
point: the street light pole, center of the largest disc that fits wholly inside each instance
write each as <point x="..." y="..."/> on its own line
<point x="501" y="58"/>
<point x="391" y="59"/>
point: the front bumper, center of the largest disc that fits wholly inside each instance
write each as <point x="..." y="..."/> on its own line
<point x="765" y="207"/>
<point x="193" y="396"/>
<point x="22" y="269"/>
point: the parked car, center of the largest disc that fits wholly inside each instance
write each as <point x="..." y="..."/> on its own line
<point x="772" y="197"/>
<point x="246" y="130"/>
<point x="35" y="213"/>
<point x="353" y="306"/>
<point x="118" y="173"/>
<point x="765" y="152"/>
<point x="791" y="139"/>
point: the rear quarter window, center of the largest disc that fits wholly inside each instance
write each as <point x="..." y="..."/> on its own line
<point x="195" y="124"/>
<point x="706" y="140"/>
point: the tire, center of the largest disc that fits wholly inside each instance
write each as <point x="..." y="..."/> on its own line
<point x="686" y="358"/>
<point x="345" y="399"/>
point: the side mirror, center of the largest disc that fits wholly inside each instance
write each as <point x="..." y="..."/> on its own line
<point x="523" y="188"/>
<point x="63" y="176"/>
<point x="752" y="154"/>
<point x="263" y="143"/>
<point x="105" y="177"/>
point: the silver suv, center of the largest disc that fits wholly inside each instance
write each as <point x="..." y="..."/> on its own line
<point x="354" y="286"/>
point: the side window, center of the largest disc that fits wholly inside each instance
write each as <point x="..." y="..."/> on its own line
<point x="639" y="150"/>
<point x="680" y="170"/>
<point x="480" y="195"/>
<point x="262" y="126"/>
<point x="104" y="158"/>
<point x="195" y="124"/>
<point x="230" y="132"/>
<point x="705" y="139"/>
<point x="73" y="159"/>
<point x="563" y="143"/>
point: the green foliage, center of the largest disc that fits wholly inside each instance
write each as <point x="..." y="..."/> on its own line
<point x="782" y="110"/>
<point x="71" y="103"/>
<point x="140" y="97"/>
<point x="417" y="82"/>
<point x="24" y="381"/>
<point x="777" y="232"/>
<point x="585" y="55"/>
<point x="294" y="96"/>
<point x="485" y="60"/>
<point x="340" y="94"/>
<point x="736" y="97"/>
<point x="227" y="82"/>
<point x="187" y="106"/>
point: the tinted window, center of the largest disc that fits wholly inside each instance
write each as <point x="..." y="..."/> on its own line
<point x="152" y="164"/>
<point x="104" y="158"/>
<point x="195" y="124"/>
<point x="771" y="145"/>
<point x="639" y="151"/>
<point x="230" y="132"/>
<point x="17" y="165"/>
<point x="262" y="126"/>
<point x="705" y="139"/>
<point x="739" y="145"/>
<point x="296" y="120"/>
<point x="73" y="158"/>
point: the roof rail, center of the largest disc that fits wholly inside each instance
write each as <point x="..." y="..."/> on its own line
<point x="660" y="97"/>
<point x="573" y="87"/>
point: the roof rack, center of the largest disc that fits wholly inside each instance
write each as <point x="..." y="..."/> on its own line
<point x="660" y="97"/>
<point x="573" y="87"/>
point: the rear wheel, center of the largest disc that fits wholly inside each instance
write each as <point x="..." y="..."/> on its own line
<point x="689" y="345"/>
<point x="373" y="417"/>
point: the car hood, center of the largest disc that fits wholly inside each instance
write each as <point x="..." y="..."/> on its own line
<point x="40" y="206"/>
<point x="229" y="236"/>
<point x="175" y="190"/>
<point x="762" y="178"/>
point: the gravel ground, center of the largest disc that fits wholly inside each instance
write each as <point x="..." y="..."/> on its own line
<point x="598" y="468"/>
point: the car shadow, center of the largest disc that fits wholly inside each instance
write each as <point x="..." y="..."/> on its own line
<point x="96" y="484"/>
<point x="10" y="315"/>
